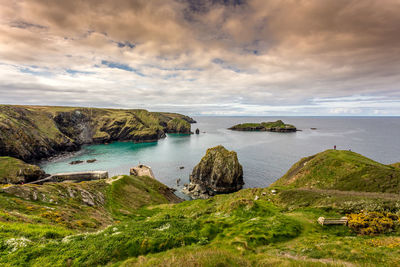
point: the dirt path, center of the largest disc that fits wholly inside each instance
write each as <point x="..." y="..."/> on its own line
<point x="112" y="180"/>
<point x="323" y="261"/>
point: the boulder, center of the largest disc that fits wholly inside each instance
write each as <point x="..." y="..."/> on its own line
<point x="76" y="162"/>
<point x="219" y="171"/>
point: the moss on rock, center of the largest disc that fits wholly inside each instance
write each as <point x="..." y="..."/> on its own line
<point x="219" y="171"/>
<point x="14" y="171"/>
<point x="178" y="125"/>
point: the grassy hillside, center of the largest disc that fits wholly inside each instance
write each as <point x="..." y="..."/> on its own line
<point x="396" y="165"/>
<point x="132" y="221"/>
<point x="342" y="170"/>
<point x="246" y="228"/>
<point x="34" y="132"/>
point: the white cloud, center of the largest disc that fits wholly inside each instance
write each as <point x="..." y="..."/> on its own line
<point x="259" y="58"/>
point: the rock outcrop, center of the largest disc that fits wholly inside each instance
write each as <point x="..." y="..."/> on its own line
<point x="219" y="171"/>
<point x="32" y="132"/>
<point x="15" y="171"/>
<point x="177" y="125"/>
<point x="142" y="170"/>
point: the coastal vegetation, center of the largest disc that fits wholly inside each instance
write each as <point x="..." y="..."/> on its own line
<point x="136" y="221"/>
<point x="276" y="126"/>
<point x="13" y="171"/>
<point x="342" y="170"/>
<point x="34" y="132"/>
<point x="178" y="125"/>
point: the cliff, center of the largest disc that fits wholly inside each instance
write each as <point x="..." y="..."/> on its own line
<point x="178" y="125"/>
<point x="277" y="126"/>
<point x="34" y="132"/>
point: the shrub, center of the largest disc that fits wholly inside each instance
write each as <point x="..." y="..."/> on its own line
<point x="372" y="223"/>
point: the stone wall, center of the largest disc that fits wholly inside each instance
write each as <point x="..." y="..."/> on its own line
<point x="73" y="176"/>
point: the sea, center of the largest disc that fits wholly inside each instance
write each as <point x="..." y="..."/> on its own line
<point x="265" y="156"/>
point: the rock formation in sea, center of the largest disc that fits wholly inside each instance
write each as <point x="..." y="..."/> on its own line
<point x="219" y="171"/>
<point x="276" y="126"/>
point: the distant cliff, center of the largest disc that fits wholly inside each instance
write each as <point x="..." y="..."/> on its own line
<point x="34" y="132"/>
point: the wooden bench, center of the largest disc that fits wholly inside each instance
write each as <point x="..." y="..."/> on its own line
<point x="326" y="221"/>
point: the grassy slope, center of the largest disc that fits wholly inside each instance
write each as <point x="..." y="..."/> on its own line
<point x="62" y="209"/>
<point x="396" y="165"/>
<point x="226" y="230"/>
<point x="342" y="170"/>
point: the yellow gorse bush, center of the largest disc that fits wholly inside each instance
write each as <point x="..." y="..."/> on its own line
<point x="372" y="223"/>
<point x="389" y="242"/>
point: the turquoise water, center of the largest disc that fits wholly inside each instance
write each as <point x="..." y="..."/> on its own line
<point x="265" y="156"/>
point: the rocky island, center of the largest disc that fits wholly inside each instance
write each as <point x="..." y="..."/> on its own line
<point x="219" y="171"/>
<point x="277" y="126"/>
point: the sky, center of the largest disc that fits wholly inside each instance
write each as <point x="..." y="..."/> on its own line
<point x="204" y="57"/>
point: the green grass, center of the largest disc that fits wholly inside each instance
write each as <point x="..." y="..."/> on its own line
<point x="226" y="230"/>
<point x="276" y="124"/>
<point x="125" y="196"/>
<point x="139" y="226"/>
<point x="342" y="170"/>
<point x="178" y="125"/>
<point x="263" y="126"/>
<point x="225" y="220"/>
<point x="12" y="169"/>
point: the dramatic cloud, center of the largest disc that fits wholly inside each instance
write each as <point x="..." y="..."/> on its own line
<point x="295" y="57"/>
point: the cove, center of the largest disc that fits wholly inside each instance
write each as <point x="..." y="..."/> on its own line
<point x="265" y="156"/>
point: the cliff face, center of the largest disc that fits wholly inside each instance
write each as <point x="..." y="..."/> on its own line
<point x="219" y="171"/>
<point x="32" y="132"/>
<point x="178" y="125"/>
